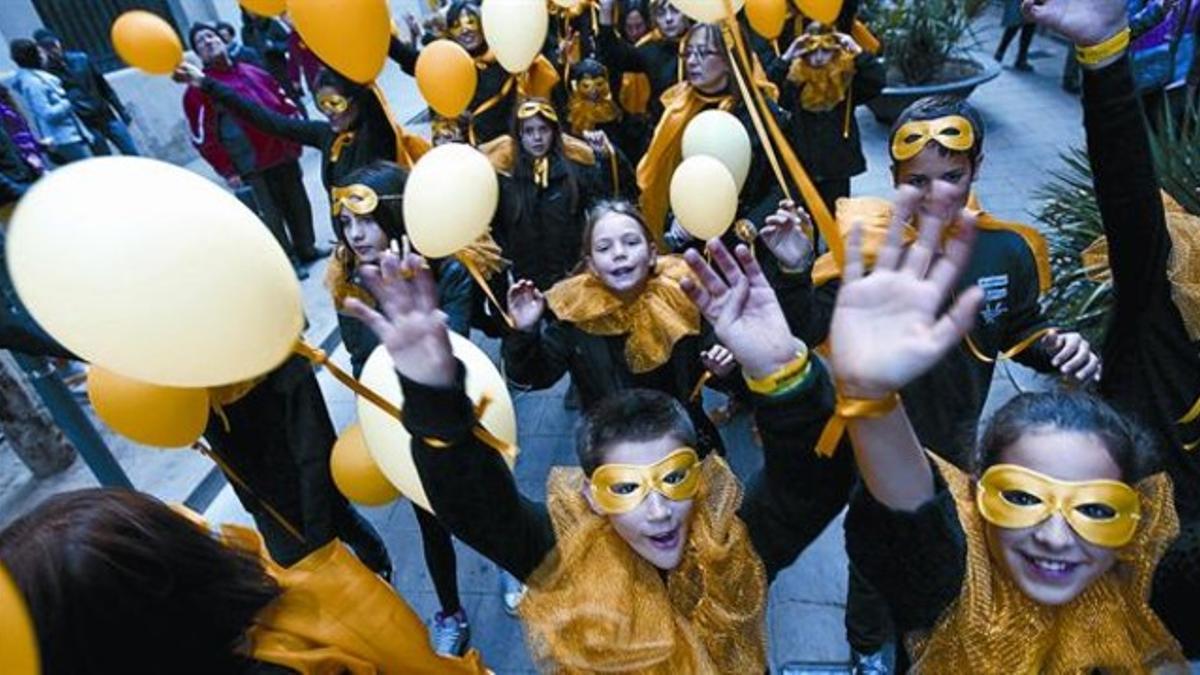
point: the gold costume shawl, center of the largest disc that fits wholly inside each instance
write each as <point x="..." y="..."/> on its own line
<point x="594" y="605"/>
<point x="994" y="628"/>
<point x="585" y="115"/>
<point x="823" y="89"/>
<point x="635" y="93"/>
<point x="502" y="152"/>
<point x="655" y="321"/>
<point x="875" y="215"/>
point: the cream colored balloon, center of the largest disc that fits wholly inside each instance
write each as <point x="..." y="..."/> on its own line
<point x="567" y="4"/>
<point x="154" y="272"/>
<point x="449" y="199"/>
<point x="708" y="11"/>
<point x="719" y="134"/>
<point x="388" y="440"/>
<point x="704" y="197"/>
<point x="515" y="31"/>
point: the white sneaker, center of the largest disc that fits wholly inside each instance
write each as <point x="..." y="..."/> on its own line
<point x="450" y="633"/>
<point x="512" y="592"/>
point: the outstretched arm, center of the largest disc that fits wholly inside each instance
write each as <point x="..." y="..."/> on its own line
<point x="467" y="482"/>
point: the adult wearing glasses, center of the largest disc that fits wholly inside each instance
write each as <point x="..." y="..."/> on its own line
<point x="251" y="158"/>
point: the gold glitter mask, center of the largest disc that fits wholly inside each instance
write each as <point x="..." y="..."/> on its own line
<point x="953" y="133"/>
<point x="621" y="488"/>
<point x="358" y="199"/>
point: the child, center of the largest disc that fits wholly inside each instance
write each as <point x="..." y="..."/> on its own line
<point x="648" y="559"/>
<point x="1039" y="562"/>
<point x="657" y="54"/>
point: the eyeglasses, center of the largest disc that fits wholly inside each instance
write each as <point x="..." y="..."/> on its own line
<point x="700" y="54"/>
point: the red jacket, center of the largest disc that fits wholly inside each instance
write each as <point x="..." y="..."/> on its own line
<point x="253" y="84"/>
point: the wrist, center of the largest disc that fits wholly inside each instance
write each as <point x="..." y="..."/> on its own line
<point x="864" y="391"/>
<point x="1097" y="54"/>
<point x="776" y="370"/>
<point x="438" y="372"/>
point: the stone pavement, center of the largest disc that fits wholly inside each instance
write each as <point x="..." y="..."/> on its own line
<point x="1030" y="121"/>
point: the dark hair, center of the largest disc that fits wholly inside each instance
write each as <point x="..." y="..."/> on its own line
<point x="523" y="171"/>
<point x="944" y="105"/>
<point x="372" y="119"/>
<point x="25" y="53"/>
<point x="387" y="179"/>
<point x="225" y="25"/>
<point x="45" y="36"/>
<point x="456" y="9"/>
<point x="630" y="415"/>
<point x="195" y="30"/>
<point x="715" y="37"/>
<point x="606" y="207"/>
<point x="628" y="7"/>
<point x="588" y="67"/>
<point x="1130" y="447"/>
<point x="117" y="582"/>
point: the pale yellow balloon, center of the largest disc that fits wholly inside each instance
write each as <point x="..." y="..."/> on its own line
<point x="154" y="272"/>
<point x="515" y="31"/>
<point x="18" y="642"/>
<point x="709" y="11"/>
<point x="388" y="440"/>
<point x="720" y="135"/>
<point x="449" y="199"/>
<point x="567" y="4"/>
<point x="704" y="197"/>
<point x="355" y="472"/>
<point x="151" y="414"/>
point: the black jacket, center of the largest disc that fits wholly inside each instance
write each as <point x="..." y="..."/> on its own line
<point x="92" y="98"/>
<point x="658" y="59"/>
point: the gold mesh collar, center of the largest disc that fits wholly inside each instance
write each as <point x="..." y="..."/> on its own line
<point x="823" y="89"/>
<point x="583" y="114"/>
<point x="660" y="317"/>
<point x="994" y="628"/>
<point x="596" y="606"/>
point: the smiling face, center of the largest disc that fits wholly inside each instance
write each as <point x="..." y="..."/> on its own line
<point x="620" y="255"/>
<point x="467" y="31"/>
<point x="362" y="233"/>
<point x="670" y="21"/>
<point x="1050" y="562"/>
<point x="657" y="529"/>
<point x="705" y="64"/>
<point x="944" y="178"/>
<point x="537" y="136"/>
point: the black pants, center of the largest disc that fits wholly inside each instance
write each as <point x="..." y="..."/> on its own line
<point x="1176" y="590"/>
<point x="1027" y="31"/>
<point x="868" y="623"/>
<point x="282" y="200"/>
<point x="440" y="559"/>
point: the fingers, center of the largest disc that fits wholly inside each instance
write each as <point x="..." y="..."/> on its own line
<point x="904" y="205"/>
<point x="946" y="271"/>
<point x="699" y="297"/>
<point x="754" y="272"/>
<point x="956" y="322"/>
<point x="728" y="265"/>
<point x="424" y="287"/>
<point x="1067" y="348"/>
<point x="1091" y="371"/>
<point x="367" y="316"/>
<point x="706" y="276"/>
<point x="853" y="269"/>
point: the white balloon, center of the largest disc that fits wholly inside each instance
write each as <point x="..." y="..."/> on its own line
<point x="154" y="272"/>
<point x="719" y="134"/>
<point x="704" y="197"/>
<point x="515" y="31"/>
<point x="708" y="11"/>
<point x="449" y="199"/>
<point x="389" y="442"/>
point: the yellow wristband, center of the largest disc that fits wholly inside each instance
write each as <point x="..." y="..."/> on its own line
<point x="785" y="377"/>
<point x="848" y="409"/>
<point x="1090" y="56"/>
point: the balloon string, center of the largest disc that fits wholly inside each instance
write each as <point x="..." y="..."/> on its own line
<point x="758" y="124"/>
<point x="320" y="358"/>
<point x="234" y="478"/>
<point x="699" y="388"/>
<point x="475" y="273"/>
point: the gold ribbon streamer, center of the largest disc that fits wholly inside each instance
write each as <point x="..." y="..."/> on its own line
<point x="1012" y="352"/>
<point x="477" y="275"/>
<point x="232" y="475"/>
<point x="846" y="410"/>
<point x="699" y="388"/>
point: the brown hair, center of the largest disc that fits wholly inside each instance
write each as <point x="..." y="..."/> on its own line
<point x="117" y="582"/>
<point x="607" y="207"/>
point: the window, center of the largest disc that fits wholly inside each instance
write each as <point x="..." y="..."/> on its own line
<point x="86" y="25"/>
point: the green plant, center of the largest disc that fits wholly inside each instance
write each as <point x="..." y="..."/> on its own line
<point x="919" y="35"/>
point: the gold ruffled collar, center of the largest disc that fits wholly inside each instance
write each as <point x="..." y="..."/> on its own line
<point x="585" y="114"/>
<point x="655" y="321"/>
<point x="994" y="628"/>
<point x="822" y="89"/>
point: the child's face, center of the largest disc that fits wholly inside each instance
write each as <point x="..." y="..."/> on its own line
<point x="670" y="21"/>
<point x="537" y="136"/>
<point x="944" y="179"/>
<point x="367" y="240"/>
<point x="657" y="529"/>
<point x="635" y="26"/>
<point x="1050" y="562"/>
<point x="620" y="255"/>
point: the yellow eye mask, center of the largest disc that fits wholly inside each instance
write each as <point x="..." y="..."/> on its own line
<point x="333" y="104"/>
<point x="532" y="108"/>
<point x="620" y="488"/>
<point x="1103" y="512"/>
<point x="953" y="133"/>
<point x="358" y="199"/>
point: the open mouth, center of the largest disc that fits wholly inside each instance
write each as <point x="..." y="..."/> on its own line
<point x="666" y="541"/>
<point x="621" y="273"/>
<point x="1050" y="569"/>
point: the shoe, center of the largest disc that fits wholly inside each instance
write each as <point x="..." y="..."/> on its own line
<point x="317" y="253"/>
<point x="512" y="592"/>
<point x="450" y="633"/>
<point x="875" y="663"/>
<point x="1023" y="66"/>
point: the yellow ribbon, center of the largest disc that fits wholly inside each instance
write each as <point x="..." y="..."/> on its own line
<point x="848" y="409"/>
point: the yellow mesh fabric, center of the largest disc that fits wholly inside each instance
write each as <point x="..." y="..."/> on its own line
<point x="484" y="255"/>
<point x="994" y="628"/>
<point x="661" y="315"/>
<point x="595" y="606"/>
<point x="635" y="93"/>
<point x="823" y="88"/>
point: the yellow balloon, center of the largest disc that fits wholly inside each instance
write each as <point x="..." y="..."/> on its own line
<point x="709" y="11"/>
<point x="767" y="17"/>
<point x="163" y="417"/>
<point x="356" y="474"/>
<point x="154" y="272"/>
<point x="720" y="135"/>
<point x="515" y="31"/>
<point x="704" y="197"/>
<point x="823" y="11"/>
<point x="447" y="77"/>
<point x="147" y="42"/>
<point x="567" y="4"/>
<point x="351" y="36"/>
<point x="265" y="7"/>
<point x="18" y="641"/>
<point x="449" y="199"/>
<point x="388" y="440"/>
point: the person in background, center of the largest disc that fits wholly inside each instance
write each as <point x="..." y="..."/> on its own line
<point x="238" y="51"/>
<point x="93" y="99"/>
<point x="66" y="137"/>
<point x="1015" y="23"/>
<point x="19" y="133"/>
<point x="270" y="37"/>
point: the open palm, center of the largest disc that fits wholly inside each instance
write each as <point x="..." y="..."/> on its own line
<point x="1084" y="22"/>
<point x="886" y="328"/>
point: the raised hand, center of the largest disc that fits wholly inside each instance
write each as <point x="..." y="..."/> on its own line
<point x="742" y="308"/>
<point x="783" y="234"/>
<point x="718" y="360"/>
<point x="189" y="74"/>
<point x="407" y="322"/>
<point x="1072" y="356"/>
<point x="1083" y="22"/>
<point x="598" y="140"/>
<point x="886" y="328"/>
<point x="526" y="305"/>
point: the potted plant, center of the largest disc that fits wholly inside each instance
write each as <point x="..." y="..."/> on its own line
<point x="921" y="48"/>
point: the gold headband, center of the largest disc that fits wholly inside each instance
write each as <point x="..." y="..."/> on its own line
<point x="358" y="199"/>
<point x="953" y="133"/>
<point x="531" y="108"/>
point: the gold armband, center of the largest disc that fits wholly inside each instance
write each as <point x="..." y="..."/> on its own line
<point x="1090" y="56"/>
